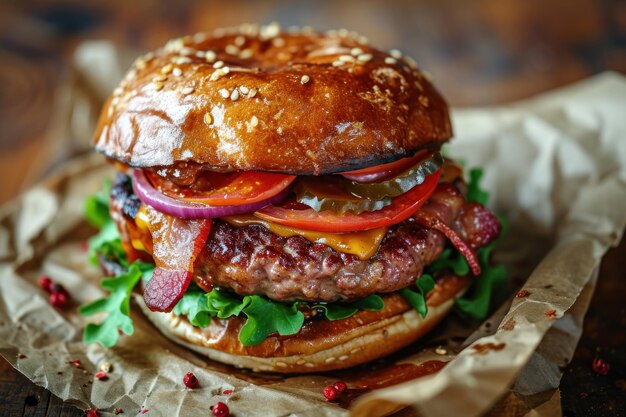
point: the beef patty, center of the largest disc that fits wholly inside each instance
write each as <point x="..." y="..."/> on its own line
<point x="253" y="260"/>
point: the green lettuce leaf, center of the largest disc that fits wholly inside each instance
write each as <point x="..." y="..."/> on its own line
<point x="416" y="295"/>
<point x="474" y="192"/>
<point x="265" y="317"/>
<point x="338" y="311"/>
<point x="452" y="260"/>
<point x="477" y="302"/>
<point x="195" y="305"/>
<point x="107" y="243"/>
<point x="97" y="206"/>
<point x="117" y="307"/>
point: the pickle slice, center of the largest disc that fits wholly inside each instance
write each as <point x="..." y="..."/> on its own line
<point x="399" y="184"/>
<point x="329" y="193"/>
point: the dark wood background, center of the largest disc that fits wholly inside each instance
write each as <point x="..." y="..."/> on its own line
<point x="480" y="52"/>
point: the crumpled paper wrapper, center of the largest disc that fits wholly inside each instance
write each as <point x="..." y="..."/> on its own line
<point x="555" y="166"/>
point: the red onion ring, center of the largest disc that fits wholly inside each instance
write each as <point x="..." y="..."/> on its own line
<point x="188" y="210"/>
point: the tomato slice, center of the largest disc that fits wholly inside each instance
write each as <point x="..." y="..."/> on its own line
<point x="383" y="171"/>
<point x="225" y="189"/>
<point x="400" y="209"/>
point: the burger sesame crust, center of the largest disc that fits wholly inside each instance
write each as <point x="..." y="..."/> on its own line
<point x="364" y="337"/>
<point x="258" y="98"/>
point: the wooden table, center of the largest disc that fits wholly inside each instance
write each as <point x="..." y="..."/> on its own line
<point x="490" y="52"/>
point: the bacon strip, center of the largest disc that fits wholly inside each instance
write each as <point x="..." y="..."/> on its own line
<point x="430" y="221"/>
<point x="176" y="244"/>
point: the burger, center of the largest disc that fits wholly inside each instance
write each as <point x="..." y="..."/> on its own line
<point x="282" y="201"/>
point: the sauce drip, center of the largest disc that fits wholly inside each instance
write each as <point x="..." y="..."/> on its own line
<point x="364" y="380"/>
<point x="484" y="348"/>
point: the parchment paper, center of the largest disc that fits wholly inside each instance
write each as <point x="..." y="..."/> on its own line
<point x="556" y="166"/>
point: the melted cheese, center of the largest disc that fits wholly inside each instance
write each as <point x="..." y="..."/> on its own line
<point x="363" y="244"/>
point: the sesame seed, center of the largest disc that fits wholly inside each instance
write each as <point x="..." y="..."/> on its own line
<point x="253" y="92"/>
<point x="356" y="51"/>
<point x="245" y="54"/>
<point x="395" y="53"/>
<point x="343" y="357"/>
<point x="232" y="49"/>
<point x="177" y="72"/>
<point x="161" y="77"/>
<point x="208" y="119"/>
<point x="305" y="79"/>
<point x="210" y="56"/>
<point x="188" y="90"/>
<point x="234" y="95"/>
<point x="200" y="54"/>
<point x="390" y="60"/>
<point x="300" y="362"/>
<point x="117" y="91"/>
<point x="244" y="90"/>
<point x="270" y="31"/>
<point x="199" y="37"/>
<point x="254" y="121"/>
<point x="240" y="40"/>
<point x="224" y="93"/>
<point x="141" y="64"/>
<point x="411" y="62"/>
<point x="181" y="60"/>
<point x="218" y="64"/>
<point x="440" y="350"/>
<point x="158" y="86"/>
<point x="346" y="58"/>
<point x="186" y="51"/>
<point x="225" y="70"/>
<point x="281" y="364"/>
<point x="278" y="42"/>
<point x="338" y="63"/>
<point x="166" y="69"/>
<point x="309" y="365"/>
<point x="330" y="359"/>
<point x="364" y="57"/>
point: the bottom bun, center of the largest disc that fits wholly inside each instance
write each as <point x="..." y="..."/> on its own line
<point x="321" y="345"/>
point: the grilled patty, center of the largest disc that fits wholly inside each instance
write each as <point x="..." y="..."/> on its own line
<point x="253" y="260"/>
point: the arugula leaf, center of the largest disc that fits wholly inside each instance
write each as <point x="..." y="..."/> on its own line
<point x="476" y="303"/>
<point x="225" y="304"/>
<point x="452" y="260"/>
<point x="107" y="242"/>
<point x="97" y="206"/>
<point x="474" y="192"/>
<point x="195" y="305"/>
<point x="117" y="305"/>
<point x="486" y="284"/>
<point x="373" y="302"/>
<point x="338" y="311"/>
<point x="417" y="297"/>
<point x="265" y="317"/>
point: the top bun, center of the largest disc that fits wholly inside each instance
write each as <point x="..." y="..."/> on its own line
<point x="257" y="98"/>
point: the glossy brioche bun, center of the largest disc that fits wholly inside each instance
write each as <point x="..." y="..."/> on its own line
<point x="258" y="98"/>
<point x="321" y="345"/>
